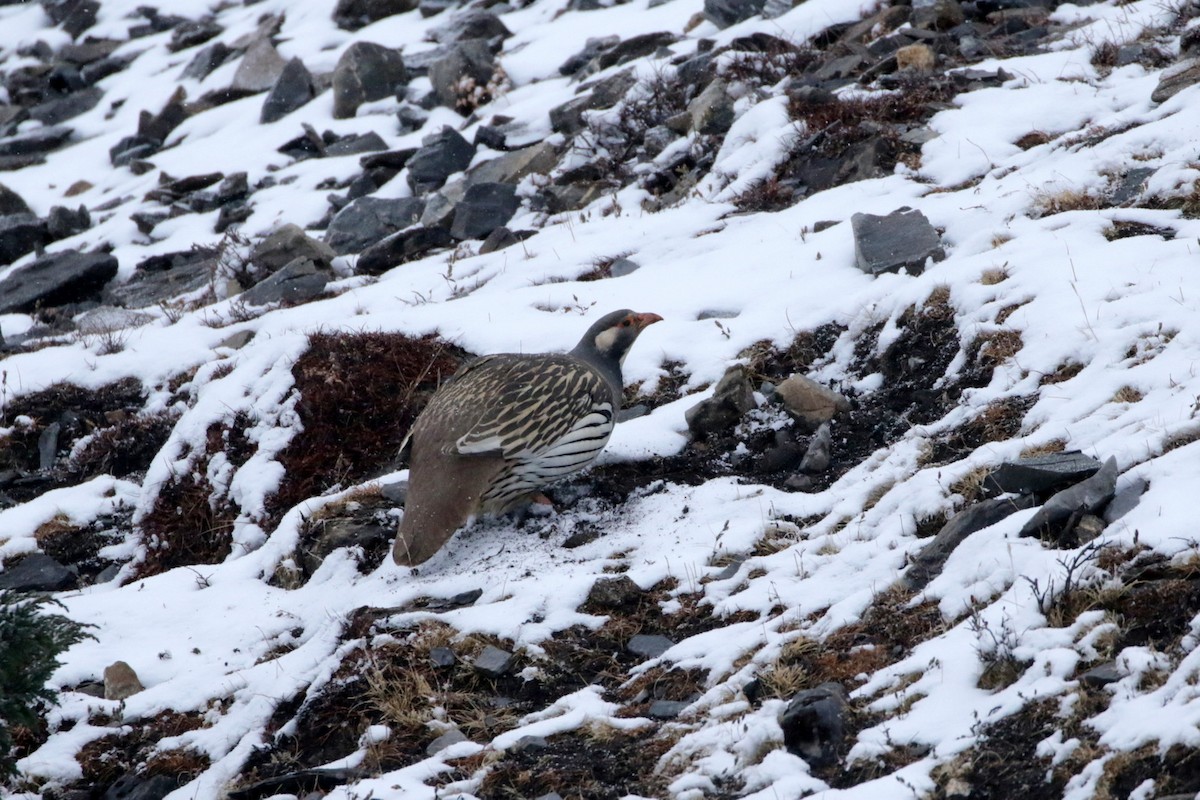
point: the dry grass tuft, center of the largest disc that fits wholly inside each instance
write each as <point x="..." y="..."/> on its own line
<point x="997" y="347"/>
<point x="995" y="275"/>
<point x="1127" y="394"/>
<point x="1063" y="373"/>
<point x="1048" y="203"/>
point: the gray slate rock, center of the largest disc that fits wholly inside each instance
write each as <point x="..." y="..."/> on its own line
<point x="287" y="243"/>
<point x="140" y="787"/>
<point x="1041" y="473"/>
<point x="260" y="68"/>
<point x="293" y="89"/>
<point x="20" y="234"/>
<point x="354" y="14"/>
<point x="162" y="278"/>
<point x="1125" y="500"/>
<point x="494" y="662"/>
<point x="440" y="205"/>
<point x="356" y="144"/>
<point x="529" y="743"/>
<point x="464" y="64"/>
<point x="649" y="645"/>
<point x="724" y="13"/>
<point x="1086" y="497"/>
<point x="592" y="48"/>
<point x="903" y="239"/>
<point x="35" y="142"/>
<point x="1175" y="79"/>
<point x="55" y="280"/>
<point x="731" y="400"/>
<point x="400" y="247"/>
<point x="614" y="593"/>
<point x="452" y="736"/>
<point x="928" y="564"/>
<point x="207" y="60"/>
<point x="191" y="33"/>
<point x="366" y="72"/>
<point x="635" y="47"/>
<point x="12" y="203"/>
<point x="472" y="24"/>
<point x="442" y="657"/>
<point x="817" y="456"/>
<point x="297" y="282"/>
<point x="1131" y="186"/>
<point x="367" y="220"/>
<point x="711" y="111"/>
<point x="61" y="109"/>
<point x="441" y="155"/>
<point x="132" y="148"/>
<point x="814" y="724"/>
<point x="666" y="709"/>
<point x="569" y="117"/>
<point x="38" y="572"/>
<point x="62" y="222"/>
<point x="501" y="238"/>
<point x="485" y="207"/>
<point x="48" y="446"/>
<point x="1102" y="674"/>
<point x="514" y="166"/>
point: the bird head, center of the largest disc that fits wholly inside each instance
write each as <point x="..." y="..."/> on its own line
<point x="610" y="338"/>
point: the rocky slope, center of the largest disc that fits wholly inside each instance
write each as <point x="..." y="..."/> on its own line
<point x="899" y="502"/>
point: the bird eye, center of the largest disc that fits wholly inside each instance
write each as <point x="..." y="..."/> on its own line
<point x="625" y="323"/>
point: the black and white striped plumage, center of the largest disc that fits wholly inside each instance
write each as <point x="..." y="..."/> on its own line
<point x="506" y="426"/>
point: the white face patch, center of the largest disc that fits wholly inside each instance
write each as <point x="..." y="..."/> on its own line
<point x="606" y="339"/>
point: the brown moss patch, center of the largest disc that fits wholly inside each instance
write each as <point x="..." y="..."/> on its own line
<point x="105" y="760"/>
<point x="606" y="766"/>
<point x="124" y="449"/>
<point x="191" y="522"/>
<point x="997" y="422"/>
<point x="768" y="195"/>
<point x="359" y="395"/>
<point x="1046" y="204"/>
<point x="77" y="411"/>
<point x="1005" y="763"/>
<point x="1062" y="374"/>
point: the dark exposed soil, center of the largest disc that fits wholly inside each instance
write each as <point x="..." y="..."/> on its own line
<point x="605" y="766"/>
<point x="77" y="412"/>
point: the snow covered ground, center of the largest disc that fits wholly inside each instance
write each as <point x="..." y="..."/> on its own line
<point x="230" y="644"/>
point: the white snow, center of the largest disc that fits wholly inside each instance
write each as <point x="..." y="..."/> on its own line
<point x="1127" y="311"/>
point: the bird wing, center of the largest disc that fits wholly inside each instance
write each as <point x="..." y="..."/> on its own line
<point x="533" y="408"/>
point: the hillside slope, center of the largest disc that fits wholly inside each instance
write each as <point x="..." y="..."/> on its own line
<point x="928" y="270"/>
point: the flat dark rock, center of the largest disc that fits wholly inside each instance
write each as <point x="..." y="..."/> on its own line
<point x="56" y="279"/>
<point x="41" y="140"/>
<point x="1041" y="473"/>
<point x="367" y="220"/>
<point x="485" y="207"/>
<point x="400" y="247"/>
<point x="493" y="661"/>
<point x="666" y="709"/>
<point x="38" y="572"/>
<point x="929" y="562"/>
<point x="648" y="645"/>
<point x="904" y="239"/>
<point x="1086" y="497"/>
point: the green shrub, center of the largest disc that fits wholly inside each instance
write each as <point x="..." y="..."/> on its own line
<point x="30" y="642"/>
